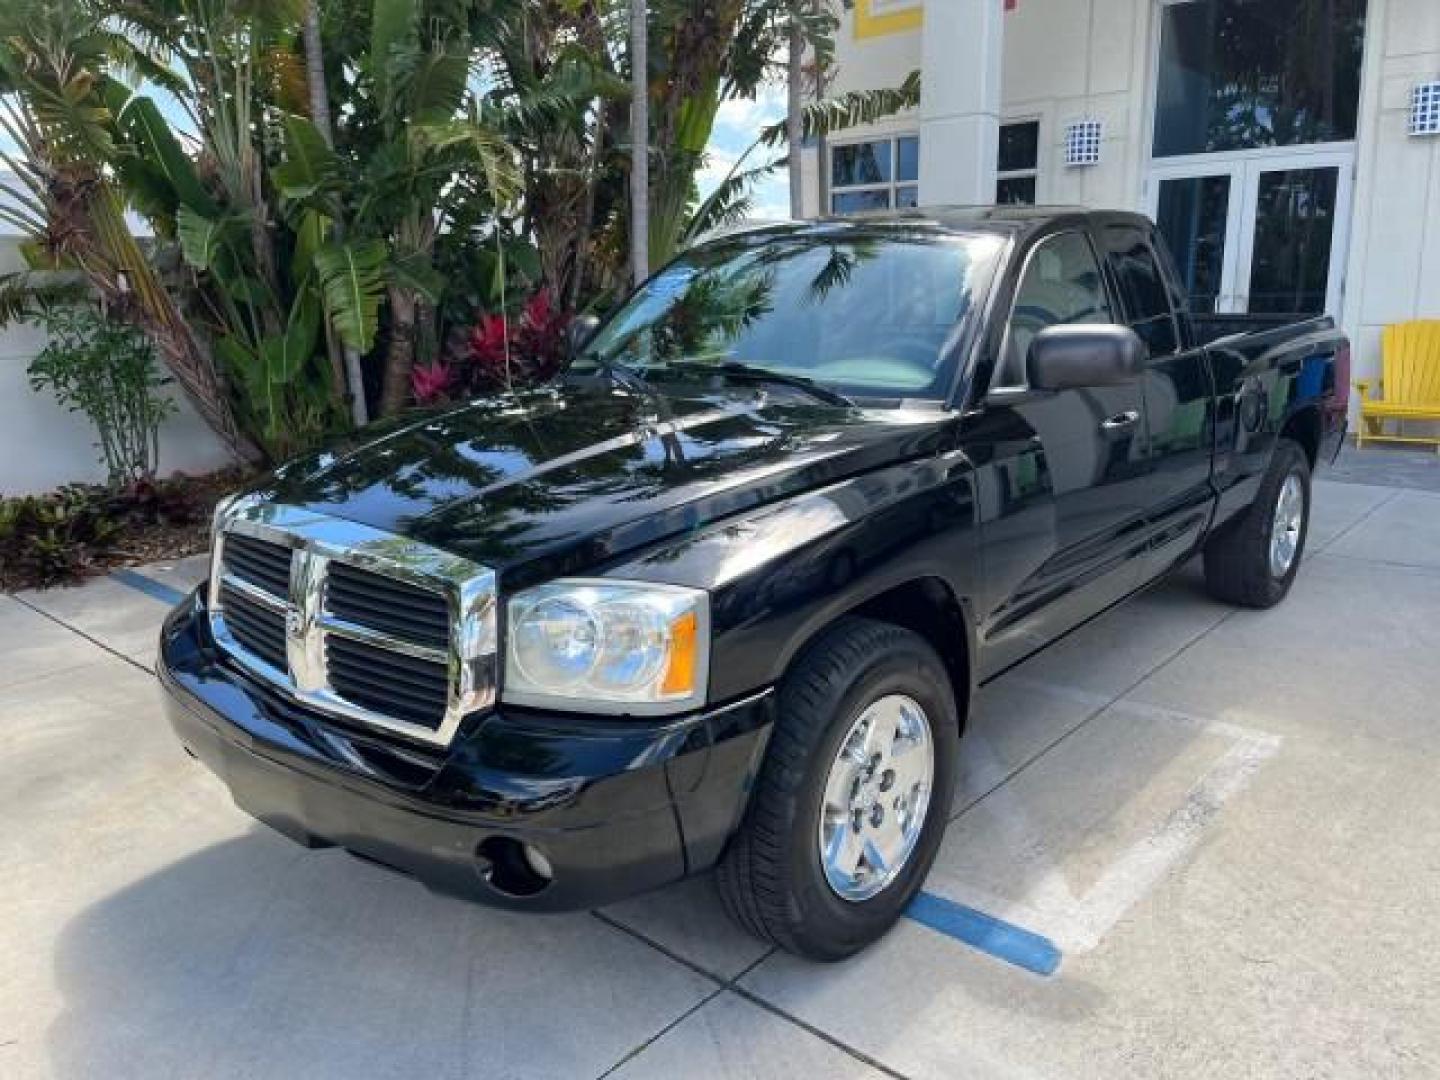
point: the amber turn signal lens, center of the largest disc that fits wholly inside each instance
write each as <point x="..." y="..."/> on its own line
<point x="680" y="674"/>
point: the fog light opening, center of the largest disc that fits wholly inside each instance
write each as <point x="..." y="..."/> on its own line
<point x="513" y="868"/>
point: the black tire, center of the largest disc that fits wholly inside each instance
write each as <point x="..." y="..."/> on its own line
<point x="770" y="877"/>
<point x="1237" y="559"/>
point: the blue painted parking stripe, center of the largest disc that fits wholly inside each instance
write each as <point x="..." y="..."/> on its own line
<point x="1001" y="939"/>
<point x="156" y="590"/>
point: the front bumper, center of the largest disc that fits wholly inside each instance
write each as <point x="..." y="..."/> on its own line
<point x="614" y="806"/>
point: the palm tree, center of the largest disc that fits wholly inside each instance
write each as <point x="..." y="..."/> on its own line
<point x="63" y="114"/>
<point x="639" y="143"/>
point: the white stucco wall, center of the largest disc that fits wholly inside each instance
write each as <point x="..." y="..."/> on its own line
<point x="1394" y="265"/>
<point x="43" y="446"/>
<point x="1066" y="60"/>
<point x="1069" y="60"/>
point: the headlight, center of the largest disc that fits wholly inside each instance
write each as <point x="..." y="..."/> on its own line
<point x="613" y="646"/>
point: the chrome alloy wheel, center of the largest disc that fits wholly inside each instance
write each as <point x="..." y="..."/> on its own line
<point x="876" y="797"/>
<point x="1285" y="530"/>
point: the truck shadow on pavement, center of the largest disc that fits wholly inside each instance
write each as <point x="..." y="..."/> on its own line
<point x="250" y="958"/>
<point x="255" y="957"/>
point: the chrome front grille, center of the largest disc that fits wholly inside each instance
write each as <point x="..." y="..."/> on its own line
<point x="259" y="563"/>
<point x="360" y="624"/>
<point x="388" y="606"/>
<point x="258" y="625"/>
<point x="410" y="688"/>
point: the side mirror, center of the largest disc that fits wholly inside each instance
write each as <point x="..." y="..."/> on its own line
<point x="1067" y="357"/>
<point x="582" y="329"/>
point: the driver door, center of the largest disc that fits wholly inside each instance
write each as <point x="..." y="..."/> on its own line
<point x="1064" y="490"/>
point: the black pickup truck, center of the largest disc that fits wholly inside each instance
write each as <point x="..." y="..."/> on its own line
<point x="722" y="593"/>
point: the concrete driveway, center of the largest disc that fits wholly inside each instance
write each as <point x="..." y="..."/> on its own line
<point x="1225" y="825"/>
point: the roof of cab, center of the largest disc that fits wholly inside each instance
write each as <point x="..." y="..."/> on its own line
<point x="1000" y="220"/>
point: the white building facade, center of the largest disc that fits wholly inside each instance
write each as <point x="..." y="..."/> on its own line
<point x="1288" y="149"/>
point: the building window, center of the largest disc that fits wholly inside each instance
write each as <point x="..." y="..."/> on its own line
<point x="1242" y="74"/>
<point x="1019" y="163"/>
<point x="879" y="174"/>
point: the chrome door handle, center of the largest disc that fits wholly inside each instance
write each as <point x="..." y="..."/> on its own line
<point x="1120" y="421"/>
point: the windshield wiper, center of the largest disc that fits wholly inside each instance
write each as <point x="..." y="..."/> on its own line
<point x="623" y="375"/>
<point x="736" y="369"/>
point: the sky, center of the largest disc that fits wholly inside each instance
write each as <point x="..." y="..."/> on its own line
<point x="736" y="126"/>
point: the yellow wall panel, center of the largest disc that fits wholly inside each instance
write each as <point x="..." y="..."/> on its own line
<point x="872" y="23"/>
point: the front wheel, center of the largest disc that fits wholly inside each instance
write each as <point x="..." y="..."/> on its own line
<point x="1253" y="560"/>
<point x="853" y="797"/>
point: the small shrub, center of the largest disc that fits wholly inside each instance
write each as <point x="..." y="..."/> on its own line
<point x="56" y="538"/>
<point x="107" y="371"/>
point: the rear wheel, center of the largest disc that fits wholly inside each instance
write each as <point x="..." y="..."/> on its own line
<point x="1254" y="559"/>
<point x="853" y="796"/>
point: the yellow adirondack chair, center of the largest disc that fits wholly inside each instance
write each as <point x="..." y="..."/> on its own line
<point x="1410" y="381"/>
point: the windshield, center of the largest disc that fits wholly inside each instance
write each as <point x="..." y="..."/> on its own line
<point x="866" y="314"/>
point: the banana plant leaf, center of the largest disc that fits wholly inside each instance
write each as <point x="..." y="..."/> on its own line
<point x="392" y="23"/>
<point x="283" y="357"/>
<point x="149" y="135"/>
<point x="310" y="166"/>
<point x="202" y="237"/>
<point x="352" y="280"/>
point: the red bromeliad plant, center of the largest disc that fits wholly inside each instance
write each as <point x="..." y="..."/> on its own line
<point x="500" y="353"/>
<point x="431" y="382"/>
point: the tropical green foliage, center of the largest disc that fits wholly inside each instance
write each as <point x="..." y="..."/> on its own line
<point x="319" y="226"/>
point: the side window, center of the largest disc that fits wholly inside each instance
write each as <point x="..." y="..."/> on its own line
<point x="1061" y="283"/>
<point x="1142" y="289"/>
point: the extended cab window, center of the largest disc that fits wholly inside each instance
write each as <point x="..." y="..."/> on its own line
<point x="1147" y="303"/>
<point x="1061" y="283"/>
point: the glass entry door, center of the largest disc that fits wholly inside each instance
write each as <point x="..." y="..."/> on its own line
<point x="1262" y="233"/>
<point x="1198" y="216"/>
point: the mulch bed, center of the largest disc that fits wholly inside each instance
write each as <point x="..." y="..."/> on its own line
<point x="146" y="523"/>
<point x="165" y="540"/>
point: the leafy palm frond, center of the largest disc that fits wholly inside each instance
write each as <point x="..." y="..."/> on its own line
<point x="272" y="18"/>
<point x="731" y="201"/>
<point x="437" y="89"/>
<point x="576" y="79"/>
<point x="477" y="145"/>
<point x="854" y="109"/>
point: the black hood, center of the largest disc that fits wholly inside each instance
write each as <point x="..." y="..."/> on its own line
<point x="562" y="479"/>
